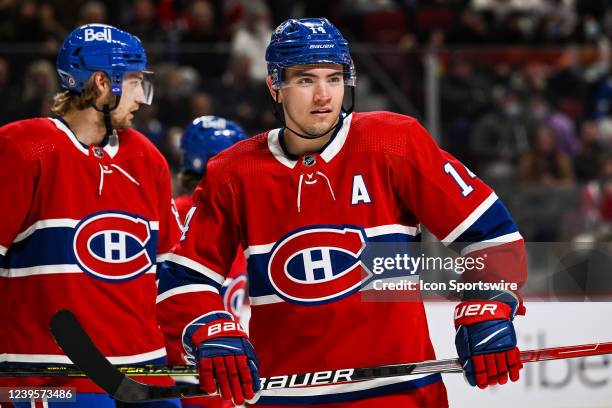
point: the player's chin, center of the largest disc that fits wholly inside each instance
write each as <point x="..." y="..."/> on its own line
<point x="320" y="130"/>
<point x="324" y="122"/>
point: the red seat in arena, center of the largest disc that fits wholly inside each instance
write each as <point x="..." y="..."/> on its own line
<point x="431" y="18"/>
<point x="384" y="26"/>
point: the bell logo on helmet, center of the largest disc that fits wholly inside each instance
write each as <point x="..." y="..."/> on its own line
<point x="92" y="35"/>
<point x="95" y="48"/>
<point x="205" y="137"/>
<point x="211" y="122"/>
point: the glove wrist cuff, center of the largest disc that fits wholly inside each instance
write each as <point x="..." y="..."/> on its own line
<point x="469" y="313"/>
<point x="216" y="329"/>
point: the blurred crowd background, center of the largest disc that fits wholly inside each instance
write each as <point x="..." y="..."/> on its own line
<point x="520" y="90"/>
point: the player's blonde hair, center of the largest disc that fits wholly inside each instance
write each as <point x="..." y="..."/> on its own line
<point x="64" y="102"/>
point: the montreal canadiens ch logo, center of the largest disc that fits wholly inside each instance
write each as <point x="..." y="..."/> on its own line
<point x="113" y="245"/>
<point x="233" y="295"/>
<point x="318" y="265"/>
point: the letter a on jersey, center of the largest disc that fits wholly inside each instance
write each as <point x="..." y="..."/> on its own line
<point x="360" y="192"/>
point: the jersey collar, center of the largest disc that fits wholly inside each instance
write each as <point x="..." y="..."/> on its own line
<point x="61" y="124"/>
<point x="327" y="153"/>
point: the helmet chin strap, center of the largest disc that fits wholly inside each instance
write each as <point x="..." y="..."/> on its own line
<point x="113" y="138"/>
<point x="279" y="114"/>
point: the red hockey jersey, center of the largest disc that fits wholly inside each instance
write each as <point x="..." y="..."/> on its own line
<point x="303" y="222"/>
<point x="83" y="228"/>
<point x="235" y="285"/>
<point x="233" y="293"/>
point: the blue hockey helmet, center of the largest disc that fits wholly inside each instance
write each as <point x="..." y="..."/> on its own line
<point x="307" y="41"/>
<point x="205" y="137"/>
<point x="102" y="48"/>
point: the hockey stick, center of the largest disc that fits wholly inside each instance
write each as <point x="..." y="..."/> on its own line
<point x="67" y="370"/>
<point x="79" y="347"/>
<point x="148" y="370"/>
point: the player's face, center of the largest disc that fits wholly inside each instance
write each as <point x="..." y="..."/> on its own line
<point x="312" y="97"/>
<point x="132" y="95"/>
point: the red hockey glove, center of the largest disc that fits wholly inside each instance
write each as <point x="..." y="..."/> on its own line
<point x="486" y="340"/>
<point x="226" y="359"/>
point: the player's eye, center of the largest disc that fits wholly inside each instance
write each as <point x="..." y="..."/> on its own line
<point x="304" y="81"/>
<point x="335" y="80"/>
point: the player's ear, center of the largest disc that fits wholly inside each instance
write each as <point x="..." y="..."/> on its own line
<point x="102" y="84"/>
<point x="273" y="92"/>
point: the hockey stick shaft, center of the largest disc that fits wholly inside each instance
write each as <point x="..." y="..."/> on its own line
<point x="73" y="371"/>
<point x="433" y="366"/>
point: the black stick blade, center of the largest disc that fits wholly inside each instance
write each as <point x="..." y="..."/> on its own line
<point x="71" y="337"/>
<point x="78" y="346"/>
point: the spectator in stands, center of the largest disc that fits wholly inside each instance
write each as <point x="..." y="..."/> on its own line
<point x="201" y="104"/>
<point x="39" y="87"/>
<point x="143" y="22"/>
<point x="506" y="27"/>
<point x="545" y="165"/>
<point x="9" y="94"/>
<point x="567" y="81"/>
<point x="603" y="98"/>
<point x="563" y="127"/>
<point x="54" y="32"/>
<point x="588" y="161"/>
<point x="500" y="137"/>
<point x="558" y="21"/>
<point x="252" y="38"/>
<point x="203" y="32"/>
<point x="92" y="12"/>
<point x="596" y="205"/>
<point x="242" y="98"/>
<point x="533" y="77"/>
<point x="464" y="96"/>
<point x="174" y="87"/>
<point x="591" y="29"/>
<point x="25" y="24"/>
<point x="470" y="29"/>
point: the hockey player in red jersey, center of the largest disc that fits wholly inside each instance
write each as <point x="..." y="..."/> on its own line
<point x="89" y="217"/>
<point x="203" y="138"/>
<point x="303" y="200"/>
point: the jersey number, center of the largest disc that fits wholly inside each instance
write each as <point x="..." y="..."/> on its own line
<point x="466" y="188"/>
<point x="188" y="218"/>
